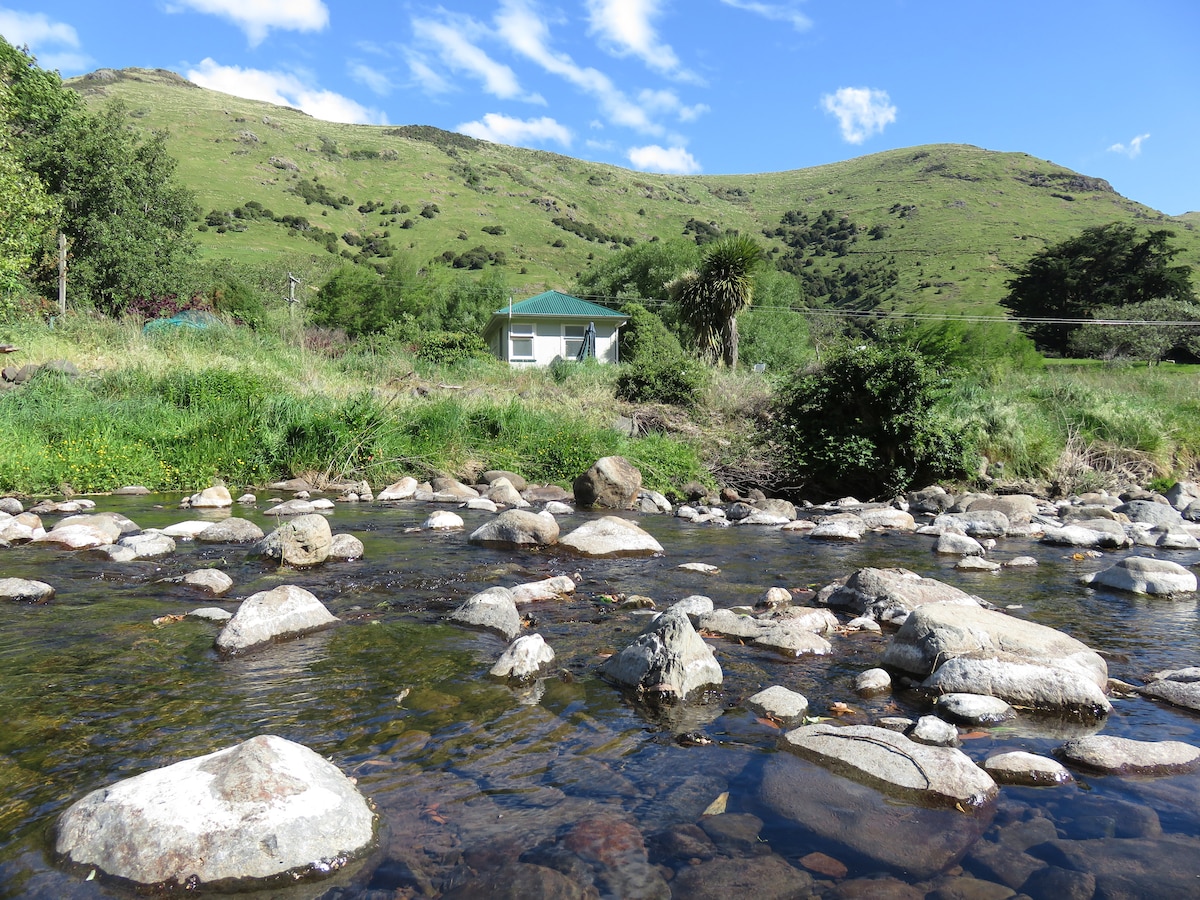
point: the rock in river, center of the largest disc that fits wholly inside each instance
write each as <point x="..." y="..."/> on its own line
<point x="889" y="594"/>
<point x="1143" y="575"/>
<point x="667" y="656"/>
<point x="609" y="537"/>
<point x="285" y="612"/>
<point x="493" y="610"/>
<point x="611" y="483"/>
<point x="968" y="649"/>
<point x="22" y="590"/>
<point x="259" y="810"/>
<point x="1122" y="756"/>
<point x="301" y="542"/>
<point x="516" y="528"/>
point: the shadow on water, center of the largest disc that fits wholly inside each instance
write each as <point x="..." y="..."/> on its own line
<point x="479" y="780"/>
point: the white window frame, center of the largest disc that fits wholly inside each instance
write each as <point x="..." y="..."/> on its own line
<point x="522" y="332"/>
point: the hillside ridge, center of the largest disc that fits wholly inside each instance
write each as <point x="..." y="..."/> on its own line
<point x="953" y="220"/>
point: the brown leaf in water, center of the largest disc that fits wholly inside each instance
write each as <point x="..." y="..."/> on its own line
<point x="770" y="723"/>
<point x="974" y="735"/>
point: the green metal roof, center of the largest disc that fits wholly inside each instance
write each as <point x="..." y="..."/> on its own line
<point x="553" y="303"/>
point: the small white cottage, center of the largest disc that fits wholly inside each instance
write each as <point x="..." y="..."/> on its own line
<point x="537" y="330"/>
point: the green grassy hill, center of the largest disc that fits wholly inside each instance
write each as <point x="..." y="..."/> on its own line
<point x="953" y="219"/>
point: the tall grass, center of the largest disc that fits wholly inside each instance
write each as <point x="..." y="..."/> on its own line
<point x="175" y="413"/>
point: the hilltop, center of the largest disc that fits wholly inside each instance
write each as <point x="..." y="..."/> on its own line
<point x="951" y="220"/>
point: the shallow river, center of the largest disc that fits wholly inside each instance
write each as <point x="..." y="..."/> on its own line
<point x="471" y="775"/>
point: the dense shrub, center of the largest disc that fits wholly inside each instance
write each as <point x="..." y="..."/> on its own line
<point x="868" y="422"/>
<point x="645" y="337"/>
<point x="448" y="348"/>
<point x="677" y="380"/>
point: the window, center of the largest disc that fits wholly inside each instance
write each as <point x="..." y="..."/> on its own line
<point x="520" y="338"/>
<point x="573" y="340"/>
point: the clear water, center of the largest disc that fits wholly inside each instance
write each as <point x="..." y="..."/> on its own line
<point x="470" y="773"/>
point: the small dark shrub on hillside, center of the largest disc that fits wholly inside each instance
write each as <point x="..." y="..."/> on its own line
<point x="675" y="380"/>
<point x="866" y="423"/>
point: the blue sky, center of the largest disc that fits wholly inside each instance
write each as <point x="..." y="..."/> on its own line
<point x="1110" y="89"/>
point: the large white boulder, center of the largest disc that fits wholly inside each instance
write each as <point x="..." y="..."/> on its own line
<point x="259" y="810"/>
<point x="284" y="612"/>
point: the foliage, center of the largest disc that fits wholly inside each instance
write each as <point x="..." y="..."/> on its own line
<point x="709" y="299"/>
<point x="1151" y="342"/>
<point x="676" y="380"/>
<point x="449" y="348"/>
<point x="640" y="272"/>
<point x="353" y="299"/>
<point x="1105" y="266"/>
<point x="644" y="337"/>
<point x="773" y="332"/>
<point x="984" y="348"/>
<point x="867" y="422"/>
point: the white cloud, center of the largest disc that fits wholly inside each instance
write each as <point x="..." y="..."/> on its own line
<point x="521" y="28"/>
<point x="283" y="89"/>
<point x="776" y="12"/>
<point x="425" y="75"/>
<point x="501" y="129"/>
<point x="372" y="78"/>
<point x="1134" y="150"/>
<point x="861" y="112"/>
<point x="663" y="101"/>
<point x="56" y="44"/>
<point x="667" y="160"/>
<point x="257" y="17"/>
<point x="452" y="41"/>
<point x="625" y="26"/>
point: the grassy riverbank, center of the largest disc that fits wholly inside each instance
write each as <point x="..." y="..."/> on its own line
<point x="176" y="410"/>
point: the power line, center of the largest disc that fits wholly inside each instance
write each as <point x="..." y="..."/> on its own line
<point x="970" y="318"/>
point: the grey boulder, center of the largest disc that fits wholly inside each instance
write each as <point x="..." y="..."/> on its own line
<point x="968" y="649"/>
<point x="935" y="776"/>
<point x="493" y="610"/>
<point x="1143" y="575"/>
<point x="668" y="656"/>
<point x="890" y="594"/>
<point x="301" y="542"/>
<point x="523" y="658"/>
<point x="611" y="483"/>
<point x="262" y="809"/>
<point x="1179" y="687"/>
<point x="611" y="536"/>
<point x="231" y="531"/>
<point x="1123" y="756"/>
<point x="516" y="528"/>
<point x="268" y="616"/>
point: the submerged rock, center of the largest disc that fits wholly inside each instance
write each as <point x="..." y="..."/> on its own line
<point x="231" y="531"/>
<point x="262" y="809"/>
<point x="284" y="612"/>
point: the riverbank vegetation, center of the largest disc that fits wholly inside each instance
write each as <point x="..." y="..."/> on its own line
<point x="178" y="408"/>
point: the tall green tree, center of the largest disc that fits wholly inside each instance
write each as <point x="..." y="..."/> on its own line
<point x="126" y="216"/>
<point x="1111" y="265"/>
<point x="709" y="299"/>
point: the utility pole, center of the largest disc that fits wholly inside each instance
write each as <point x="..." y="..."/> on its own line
<point x="62" y="274"/>
<point x="291" y="297"/>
